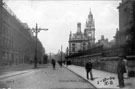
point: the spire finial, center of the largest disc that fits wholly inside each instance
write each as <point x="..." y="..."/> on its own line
<point x="70" y="34"/>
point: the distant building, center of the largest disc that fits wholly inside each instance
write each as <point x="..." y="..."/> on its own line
<point x="80" y="41"/>
<point x="113" y="42"/>
<point x="125" y="35"/>
<point x="105" y="43"/>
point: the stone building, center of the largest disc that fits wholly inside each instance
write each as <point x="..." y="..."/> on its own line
<point x="17" y="43"/>
<point x="81" y="41"/>
<point x="104" y="42"/>
<point x="125" y="35"/>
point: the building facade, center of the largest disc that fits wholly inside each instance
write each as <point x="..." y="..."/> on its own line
<point x="81" y="41"/>
<point x="105" y="54"/>
<point x="17" y="43"/>
<point x="125" y="35"/>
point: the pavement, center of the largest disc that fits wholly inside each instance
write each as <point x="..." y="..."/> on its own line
<point x="11" y="71"/>
<point x="102" y="79"/>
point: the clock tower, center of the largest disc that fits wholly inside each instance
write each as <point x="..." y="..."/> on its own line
<point x="90" y="29"/>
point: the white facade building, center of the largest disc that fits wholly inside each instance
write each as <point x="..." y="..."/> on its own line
<point x="80" y="41"/>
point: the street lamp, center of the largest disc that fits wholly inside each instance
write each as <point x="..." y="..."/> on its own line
<point x="61" y="55"/>
<point x="36" y="30"/>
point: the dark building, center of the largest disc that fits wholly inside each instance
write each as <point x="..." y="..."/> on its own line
<point x="17" y="43"/>
<point x="125" y="35"/>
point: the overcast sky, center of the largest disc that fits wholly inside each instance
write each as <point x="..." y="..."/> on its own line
<point x="61" y="17"/>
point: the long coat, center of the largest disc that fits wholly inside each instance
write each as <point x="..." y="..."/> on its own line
<point x="121" y="68"/>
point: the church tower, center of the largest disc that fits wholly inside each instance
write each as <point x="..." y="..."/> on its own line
<point x="90" y="29"/>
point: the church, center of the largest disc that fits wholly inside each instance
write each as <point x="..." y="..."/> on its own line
<point x="81" y="41"/>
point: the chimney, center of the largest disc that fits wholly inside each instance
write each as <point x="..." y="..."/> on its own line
<point x="102" y="37"/>
<point x="79" y="27"/>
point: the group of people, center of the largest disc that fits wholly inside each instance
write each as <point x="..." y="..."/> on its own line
<point x="54" y="63"/>
<point x="121" y="69"/>
<point x="60" y="63"/>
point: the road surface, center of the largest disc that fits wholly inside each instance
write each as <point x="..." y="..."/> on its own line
<point x="45" y="78"/>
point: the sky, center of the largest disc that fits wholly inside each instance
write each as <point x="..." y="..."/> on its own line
<point x="61" y="17"/>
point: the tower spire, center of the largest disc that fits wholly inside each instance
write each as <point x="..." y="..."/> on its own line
<point x="70" y="35"/>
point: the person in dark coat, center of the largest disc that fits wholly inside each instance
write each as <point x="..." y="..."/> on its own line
<point x="121" y="69"/>
<point x="88" y="68"/>
<point x="53" y="63"/>
<point x="126" y="66"/>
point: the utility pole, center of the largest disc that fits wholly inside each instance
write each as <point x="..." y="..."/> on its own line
<point x="61" y="56"/>
<point x="36" y="30"/>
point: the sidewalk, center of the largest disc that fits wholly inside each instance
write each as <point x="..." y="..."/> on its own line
<point x="102" y="79"/>
<point x="8" y="71"/>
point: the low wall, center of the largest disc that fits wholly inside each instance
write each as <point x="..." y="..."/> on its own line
<point x="106" y="65"/>
<point x="109" y="65"/>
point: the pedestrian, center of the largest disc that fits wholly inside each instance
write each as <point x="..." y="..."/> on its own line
<point x="61" y="64"/>
<point x="121" y="69"/>
<point x="88" y="68"/>
<point x="127" y="72"/>
<point x="53" y="63"/>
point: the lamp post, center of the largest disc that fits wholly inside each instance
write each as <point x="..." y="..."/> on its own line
<point x="61" y="55"/>
<point x="36" y="30"/>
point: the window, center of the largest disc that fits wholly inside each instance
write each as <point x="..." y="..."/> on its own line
<point x="84" y="46"/>
<point x="73" y="47"/>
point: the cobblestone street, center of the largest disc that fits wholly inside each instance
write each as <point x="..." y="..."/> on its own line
<point x="46" y="78"/>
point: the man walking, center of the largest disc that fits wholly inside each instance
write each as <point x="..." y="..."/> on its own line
<point x="125" y="60"/>
<point x="88" y="68"/>
<point x="53" y="63"/>
<point x="121" y="70"/>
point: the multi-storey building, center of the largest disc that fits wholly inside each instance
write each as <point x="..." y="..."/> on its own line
<point x="125" y="35"/>
<point x="82" y="41"/>
<point x="17" y="43"/>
